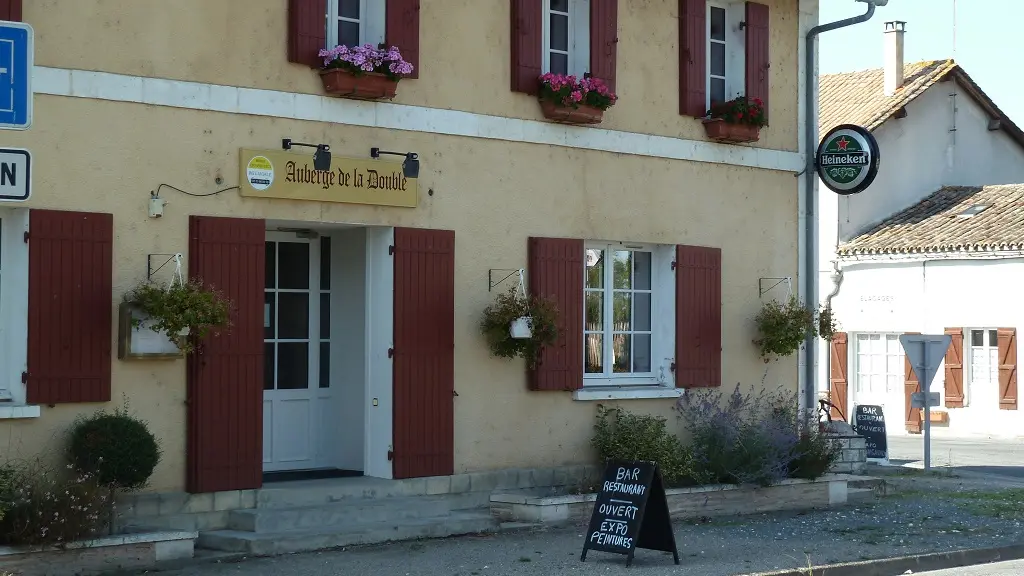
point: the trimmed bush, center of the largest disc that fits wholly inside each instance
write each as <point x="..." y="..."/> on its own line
<point x="117" y="448"/>
<point x="622" y="435"/>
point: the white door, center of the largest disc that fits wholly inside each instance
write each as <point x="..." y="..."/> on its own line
<point x="294" y="384"/>
<point x="878" y="375"/>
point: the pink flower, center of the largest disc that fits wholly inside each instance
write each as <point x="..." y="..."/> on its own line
<point x="577" y="96"/>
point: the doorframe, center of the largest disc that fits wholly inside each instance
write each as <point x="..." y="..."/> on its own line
<point x="379" y="334"/>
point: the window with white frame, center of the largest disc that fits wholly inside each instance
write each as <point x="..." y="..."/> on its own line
<point x="880" y="365"/>
<point x="355" y="22"/>
<point x="627" y="289"/>
<point x="983" y="365"/>
<point x="725" y="51"/>
<point x="566" y="37"/>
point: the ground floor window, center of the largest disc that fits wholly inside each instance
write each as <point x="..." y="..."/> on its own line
<point x="626" y="291"/>
<point x="880" y="366"/>
<point x="983" y="362"/>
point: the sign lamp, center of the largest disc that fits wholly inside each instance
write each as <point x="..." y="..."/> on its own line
<point x="410" y="166"/>
<point x="321" y="158"/>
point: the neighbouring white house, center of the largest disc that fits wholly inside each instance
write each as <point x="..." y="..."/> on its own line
<point x="935" y="245"/>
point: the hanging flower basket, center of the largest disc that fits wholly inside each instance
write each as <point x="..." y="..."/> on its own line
<point x="517" y="326"/>
<point x="569" y="100"/>
<point x="521" y="328"/>
<point x="184" y="312"/>
<point x="736" y="121"/>
<point x="363" y="72"/>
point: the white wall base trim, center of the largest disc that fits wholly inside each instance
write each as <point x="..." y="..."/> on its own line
<point x="312" y="107"/>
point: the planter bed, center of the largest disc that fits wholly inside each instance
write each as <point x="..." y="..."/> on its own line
<point x="119" y="552"/>
<point x="701" y="501"/>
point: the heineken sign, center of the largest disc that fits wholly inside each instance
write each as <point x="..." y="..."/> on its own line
<point x="847" y="159"/>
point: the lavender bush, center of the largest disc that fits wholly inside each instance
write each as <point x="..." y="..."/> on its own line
<point x="359" y="60"/>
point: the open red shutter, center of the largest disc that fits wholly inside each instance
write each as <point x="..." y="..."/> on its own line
<point x="307" y="31"/>
<point x="402" y="29"/>
<point x="70" y="304"/>
<point x="424" y="353"/>
<point x="527" y="31"/>
<point x="1007" y="338"/>
<point x="10" y="10"/>
<point x="758" y="62"/>
<point x="224" y="436"/>
<point x="693" y="41"/>
<point x="954" y="362"/>
<point x="910" y="387"/>
<point x="556" y="272"/>
<point x="839" y="390"/>
<point x="698" y="317"/>
<point x="604" y="39"/>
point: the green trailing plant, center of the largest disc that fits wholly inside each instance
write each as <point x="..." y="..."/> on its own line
<point x="116" y="447"/>
<point x="509" y="307"/>
<point x="814" y="453"/>
<point x="184" y="311"/>
<point x="827" y="326"/>
<point x="782" y="328"/>
<point x="622" y="435"/>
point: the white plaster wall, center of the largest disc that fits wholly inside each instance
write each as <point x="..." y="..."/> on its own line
<point x="348" y="345"/>
<point x="928" y="297"/>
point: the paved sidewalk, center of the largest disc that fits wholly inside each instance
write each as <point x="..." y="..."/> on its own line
<point x="1014" y="568"/>
<point x="931" y="515"/>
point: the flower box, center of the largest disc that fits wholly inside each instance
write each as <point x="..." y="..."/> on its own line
<point x="366" y="86"/>
<point x="583" y="114"/>
<point x="722" y="131"/>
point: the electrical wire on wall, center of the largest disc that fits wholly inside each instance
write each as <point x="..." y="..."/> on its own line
<point x="176" y="189"/>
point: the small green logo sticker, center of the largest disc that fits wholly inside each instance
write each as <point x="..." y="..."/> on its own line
<point x="847" y="159"/>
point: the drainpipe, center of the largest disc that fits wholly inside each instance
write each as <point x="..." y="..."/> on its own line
<point x="810" y="198"/>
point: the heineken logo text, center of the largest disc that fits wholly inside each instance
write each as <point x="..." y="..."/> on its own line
<point x="845" y="159"/>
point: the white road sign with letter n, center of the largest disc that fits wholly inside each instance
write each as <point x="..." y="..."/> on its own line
<point x="15" y="174"/>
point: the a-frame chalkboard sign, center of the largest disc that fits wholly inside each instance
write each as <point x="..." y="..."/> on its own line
<point x="631" y="512"/>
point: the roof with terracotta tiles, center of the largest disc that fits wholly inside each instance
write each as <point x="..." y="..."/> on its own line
<point x="936" y="225"/>
<point x="859" y="97"/>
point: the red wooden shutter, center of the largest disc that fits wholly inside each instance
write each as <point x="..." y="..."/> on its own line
<point x="954" y="387"/>
<point x="911" y="386"/>
<point x="757" y="58"/>
<point x="10" y="10"/>
<point x="604" y="39"/>
<point x="556" y="272"/>
<point x="70" y="303"/>
<point x="224" y="449"/>
<point x="424" y="353"/>
<point x="527" y="31"/>
<point x="307" y="31"/>
<point x="839" y="390"/>
<point x="1007" y="368"/>
<point x="402" y="29"/>
<point x="693" y="49"/>
<point x="698" y="317"/>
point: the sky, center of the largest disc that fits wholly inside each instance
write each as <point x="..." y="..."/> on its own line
<point x="982" y="26"/>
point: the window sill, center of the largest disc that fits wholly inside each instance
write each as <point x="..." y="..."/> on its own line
<point x="18" y="411"/>
<point x="626" y="393"/>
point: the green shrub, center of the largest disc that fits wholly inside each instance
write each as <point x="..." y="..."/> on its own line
<point x="782" y="328"/>
<point x="814" y="454"/>
<point x="45" y="506"/>
<point x="117" y="448"/>
<point x="622" y="435"/>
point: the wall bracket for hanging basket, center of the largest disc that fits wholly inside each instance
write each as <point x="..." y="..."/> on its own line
<point x="498" y="276"/>
<point x="158" y="260"/>
<point x="761" y="282"/>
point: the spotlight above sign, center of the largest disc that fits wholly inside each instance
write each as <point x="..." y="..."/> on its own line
<point x="847" y="159"/>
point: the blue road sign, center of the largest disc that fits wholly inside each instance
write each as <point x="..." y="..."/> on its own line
<point x="16" y="58"/>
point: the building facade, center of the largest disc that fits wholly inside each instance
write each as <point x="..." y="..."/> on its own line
<point x="906" y="255"/>
<point x="354" y="342"/>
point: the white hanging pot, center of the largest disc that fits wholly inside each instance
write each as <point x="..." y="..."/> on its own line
<point x="184" y="331"/>
<point x="520" y="328"/>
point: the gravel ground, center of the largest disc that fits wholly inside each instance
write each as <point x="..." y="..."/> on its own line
<point x="929" y="513"/>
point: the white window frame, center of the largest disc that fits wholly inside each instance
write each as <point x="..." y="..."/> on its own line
<point x="372" y="21"/>
<point x="968" y="363"/>
<point x="662" y="319"/>
<point x="858" y="372"/>
<point x="578" y="39"/>
<point x="735" y="50"/>
<point x="14" y="314"/>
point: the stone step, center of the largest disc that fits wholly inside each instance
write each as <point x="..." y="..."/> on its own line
<point x="317" y="493"/>
<point x="289" y="541"/>
<point x="353" y="511"/>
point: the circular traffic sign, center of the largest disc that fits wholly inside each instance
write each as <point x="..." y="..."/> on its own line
<point x="847" y="159"/>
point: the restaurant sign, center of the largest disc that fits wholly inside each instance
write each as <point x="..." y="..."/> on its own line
<point x="847" y="159"/>
<point x="291" y="176"/>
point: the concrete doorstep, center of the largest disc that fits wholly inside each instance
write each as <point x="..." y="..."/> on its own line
<point x="901" y="565"/>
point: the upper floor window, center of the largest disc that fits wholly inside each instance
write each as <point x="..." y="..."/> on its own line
<point x="725" y="51"/>
<point x="566" y="47"/>
<point x="355" y="22"/>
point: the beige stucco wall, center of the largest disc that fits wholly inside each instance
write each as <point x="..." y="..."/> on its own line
<point x="464" y="55"/>
<point x="103" y="156"/>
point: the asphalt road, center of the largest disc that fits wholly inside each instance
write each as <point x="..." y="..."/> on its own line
<point x="1012" y="568"/>
<point x="989" y="456"/>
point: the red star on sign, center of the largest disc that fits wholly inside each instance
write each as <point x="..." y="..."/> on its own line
<point x="842" y="143"/>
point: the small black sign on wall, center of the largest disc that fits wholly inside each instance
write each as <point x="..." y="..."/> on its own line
<point x="631" y="512"/>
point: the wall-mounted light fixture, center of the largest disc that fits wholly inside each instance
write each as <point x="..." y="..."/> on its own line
<point x="321" y="158"/>
<point x="410" y="166"/>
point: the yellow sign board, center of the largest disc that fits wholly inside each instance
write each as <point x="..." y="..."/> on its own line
<point x="291" y="176"/>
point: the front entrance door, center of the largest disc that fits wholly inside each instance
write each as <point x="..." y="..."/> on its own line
<point x="296" y="381"/>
